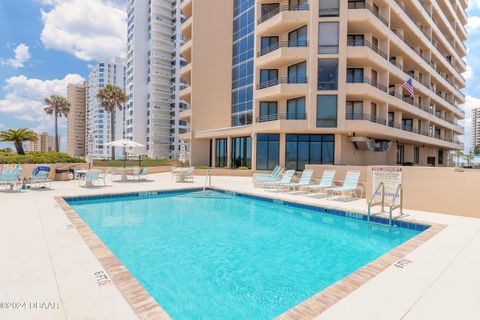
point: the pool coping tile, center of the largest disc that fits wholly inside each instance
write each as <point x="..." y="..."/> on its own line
<point x="145" y="306"/>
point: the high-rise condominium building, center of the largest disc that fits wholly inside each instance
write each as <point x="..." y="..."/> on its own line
<point x="44" y="143"/>
<point x="323" y="81"/>
<point x="153" y="81"/>
<point x="77" y="97"/>
<point x="475" y="128"/>
<point x="98" y="119"/>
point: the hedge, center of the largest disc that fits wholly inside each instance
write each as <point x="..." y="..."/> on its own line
<point x="38" y="158"/>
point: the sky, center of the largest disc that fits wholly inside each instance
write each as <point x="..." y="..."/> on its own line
<point x="46" y="44"/>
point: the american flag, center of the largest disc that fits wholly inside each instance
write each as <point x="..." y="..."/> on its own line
<point x="408" y="85"/>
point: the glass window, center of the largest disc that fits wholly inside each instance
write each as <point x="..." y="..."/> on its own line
<point x="327" y="74"/>
<point x="302" y="149"/>
<point x="354" y="110"/>
<point x="267" y="75"/>
<point x="328" y="37"/>
<point x="440" y="156"/>
<point x="268" y="44"/>
<point x="298" y="38"/>
<point x="242" y="152"/>
<point x="355" y="75"/>
<point x="416" y="155"/>
<point x="296" y="109"/>
<point x="268" y="111"/>
<point x="328" y="8"/>
<point x="297" y="73"/>
<point x="355" y="40"/>
<point x="268" y="147"/>
<point x="400" y="154"/>
<point x="407" y="124"/>
<point x="220" y="153"/>
<point x="327" y="111"/>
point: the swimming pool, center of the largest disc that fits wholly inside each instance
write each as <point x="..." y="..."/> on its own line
<point x="216" y="255"/>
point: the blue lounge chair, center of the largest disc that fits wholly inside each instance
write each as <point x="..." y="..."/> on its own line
<point x="39" y="177"/>
<point x="10" y="176"/>
<point x="325" y="182"/>
<point x="349" y="186"/>
<point x="303" y="182"/>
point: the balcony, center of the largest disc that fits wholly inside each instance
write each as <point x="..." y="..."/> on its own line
<point x="186" y="94"/>
<point x="282" y="54"/>
<point x="185" y="114"/>
<point x="186" y="28"/>
<point x="411" y="133"/>
<point x="186" y="73"/>
<point x="283" y="87"/>
<point x="283" y="19"/>
<point x="186" y="7"/>
<point x="186" y="51"/>
<point x="355" y="5"/>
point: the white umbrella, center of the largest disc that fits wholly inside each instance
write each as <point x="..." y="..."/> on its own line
<point x="125" y="143"/>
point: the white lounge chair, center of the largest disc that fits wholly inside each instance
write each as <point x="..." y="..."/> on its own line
<point x="349" y="186"/>
<point x="143" y="174"/>
<point x="286" y="178"/>
<point x="10" y="176"/>
<point x="39" y="178"/>
<point x="259" y="179"/>
<point x="104" y="176"/>
<point x="303" y="182"/>
<point x="325" y="182"/>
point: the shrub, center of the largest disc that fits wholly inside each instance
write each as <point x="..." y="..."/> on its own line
<point x="38" y="158"/>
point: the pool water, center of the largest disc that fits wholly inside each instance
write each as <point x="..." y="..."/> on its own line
<point x="221" y="256"/>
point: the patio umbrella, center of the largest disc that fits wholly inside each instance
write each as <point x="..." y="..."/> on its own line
<point x="183" y="152"/>
<point x="125" y="143"/>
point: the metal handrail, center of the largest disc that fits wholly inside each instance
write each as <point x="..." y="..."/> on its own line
<point x="382" y="202"/>
<point x="400" y="205"/>
<point x="208" y="179"/>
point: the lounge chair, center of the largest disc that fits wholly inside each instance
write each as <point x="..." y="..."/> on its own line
<point x="349" y="186"/>
<point x="143" y="174"/>
<point x="259" y="179"/>
<point x="39" y="177"/>
<point x="103" y="176"/>
<point x="10" y="176"/>
<point x="325" y="182"/>
<point x="286" y="178"/>
<point x="303" y="182"/>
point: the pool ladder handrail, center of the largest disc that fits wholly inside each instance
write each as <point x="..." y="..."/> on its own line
<point x="208" y="179"/>
<point x="392" y="206"/>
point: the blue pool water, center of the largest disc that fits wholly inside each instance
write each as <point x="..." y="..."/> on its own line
<point x="230" y="257"/>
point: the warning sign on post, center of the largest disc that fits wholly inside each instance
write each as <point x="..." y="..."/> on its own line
<point x="391" y="178"/>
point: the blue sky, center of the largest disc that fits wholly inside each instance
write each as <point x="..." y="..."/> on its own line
<point x="45" y="44"/>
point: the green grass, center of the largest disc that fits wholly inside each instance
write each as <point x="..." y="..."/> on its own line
<point x="134" y="163"/>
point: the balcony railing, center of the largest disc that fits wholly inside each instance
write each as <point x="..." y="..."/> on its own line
<point x="365" y="43"/>
<point x="281" y="80"/>
<point x="369" y="81"/>
<point x="282" y="116"/>
<point x="369" y="7"/>
<point x="282" y="44"/>
<point x="274" y="12"/>
<point x="401" y="126"/>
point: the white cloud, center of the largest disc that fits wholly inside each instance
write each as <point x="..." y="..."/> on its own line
<point x="24" y="98"/>
<point x="473" y="24"/>
<point x="22" y="55"/>
<point x="88" y="29"/>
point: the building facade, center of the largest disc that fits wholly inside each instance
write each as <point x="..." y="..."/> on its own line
<point x="76" y="119"/>
<point x="152" y="73"/>
<point x="98" y="132"/>
<point x="44" y="143"/>
<point x="475" y="128"/>
<point x="323" y="81"/>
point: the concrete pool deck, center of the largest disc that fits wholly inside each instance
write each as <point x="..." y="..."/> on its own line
<point x="47" y="271"/>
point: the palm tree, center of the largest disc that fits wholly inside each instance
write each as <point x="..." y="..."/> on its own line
<point x="18" y="136"/>
<point x="469" y="158"/>
<point x="58" y="106"/>
<point x="111" y="97"/>
<point x="458" y="154"/>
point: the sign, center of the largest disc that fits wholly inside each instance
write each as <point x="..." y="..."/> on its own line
<point x="391" y="178"/>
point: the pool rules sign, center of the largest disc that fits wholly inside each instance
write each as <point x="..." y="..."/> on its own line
<point x="391" y="177"/>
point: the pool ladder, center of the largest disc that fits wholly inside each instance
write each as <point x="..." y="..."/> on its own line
<point x="208" y="180"/>
<point x="392" y="206"/>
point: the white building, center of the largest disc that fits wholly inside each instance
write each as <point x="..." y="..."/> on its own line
<point x="98" y="120"/>
<point x="153" y="82"/>
<point x="475" y="128"/>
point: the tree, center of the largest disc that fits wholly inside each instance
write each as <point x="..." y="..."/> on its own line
<point x="59" y="107"/>
<point x="18" y="136"/>
<point x="458" y="154"/>
<point x="111" y="97"/>
<point x="469" y="158"/>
